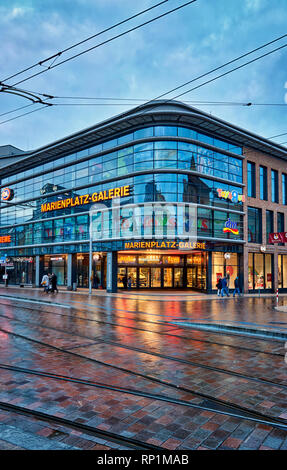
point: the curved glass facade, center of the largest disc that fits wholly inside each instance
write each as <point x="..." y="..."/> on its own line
<point x="177" y="166"/>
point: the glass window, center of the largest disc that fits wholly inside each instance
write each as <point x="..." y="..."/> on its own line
<point x="142" y="133"/>
<point x="188" y="133"/>
<point x="142" y="147"/>
<point x="165" y="144"/>
<point x="282" y="271"/>
<point x="269" y="224"/>
<point x="274" y="185"/>
<point x="254" y="225"/>
<point x="259" y="270"/>
<point x="221" y="144"/>
<point x="284" y="188"/>
<point x="263" y="183"/>
<point x="280" y="222"/>
<point x="125" y="138"/>
<point x="251" y="182"/>
<point x="250" y="271"/>
<point x="165" y="130"/>
<point x="110" y="144"/>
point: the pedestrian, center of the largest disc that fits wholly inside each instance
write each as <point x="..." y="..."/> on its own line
<point x="219" y="286"/>
<point x="5" y="277"/>
<point x="54" y="283"/>
<point x="125" y="281"/>
<point x="129" y="283"/>
<point x="224" y="287"/>
<point x="236" y="287"/>
<point x="45" y="282"/>
<point x="96" y="281"/>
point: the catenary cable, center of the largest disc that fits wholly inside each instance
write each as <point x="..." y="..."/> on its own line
<point x="105" y="42"/>
<point x="57" y="54"/>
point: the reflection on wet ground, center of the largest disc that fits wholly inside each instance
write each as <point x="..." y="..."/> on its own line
<point x="130" y="343"/>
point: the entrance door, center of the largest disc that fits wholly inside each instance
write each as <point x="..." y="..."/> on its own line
<point x="132" y="273"/>
<point x="167" y="277"/>
<point x="144" y="277"/>
<point x="178" y="277"/>
<point x="156" y="277"/>
<point x="121" y="274"/>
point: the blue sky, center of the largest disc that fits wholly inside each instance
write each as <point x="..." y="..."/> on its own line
<point x="142" y="64"/>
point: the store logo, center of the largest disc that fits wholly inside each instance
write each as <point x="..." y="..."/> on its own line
<point x="7" y="194"/>
<point x="231" y="226"/>
<point x="234" y="196"/>
<point x="106" y="195"/>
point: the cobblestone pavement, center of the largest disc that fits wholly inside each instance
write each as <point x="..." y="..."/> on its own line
<point x="133" y="344"/>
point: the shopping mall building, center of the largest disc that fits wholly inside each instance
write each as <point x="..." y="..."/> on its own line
<point x="164" y="194"/>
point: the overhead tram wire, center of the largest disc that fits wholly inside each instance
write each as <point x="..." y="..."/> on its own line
<point x="103" y="43"/>
<point x="54" y="56"/>
<point x="216" y="69"/>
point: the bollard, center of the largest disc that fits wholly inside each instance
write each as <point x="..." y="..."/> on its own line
<point x="277" y="296"/>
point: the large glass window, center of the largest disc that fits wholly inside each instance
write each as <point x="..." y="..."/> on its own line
<point x="254" y="225"/>
<point x="260" y="271"/>
<point x="251" y="179"/>
<point x="269" y="224"/>
<point x="284" y="188"/>
<point x="282" y="271"/>
<point x="274" y="186"/>
<point x="263" y="183"/>
<point x="224" y="265"/>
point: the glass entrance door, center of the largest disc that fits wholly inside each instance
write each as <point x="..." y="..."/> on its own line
<point x="178" y="277"/>
<point x="144" y="277"/>
<point x="167" y="277"/>
<point x="156" y="277"/>
<point x="132" y="273"/>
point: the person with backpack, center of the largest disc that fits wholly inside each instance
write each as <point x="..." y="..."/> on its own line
<point x="219" y="286"/>
<point x="45" y="282"/>
<point x="54" y="283"/>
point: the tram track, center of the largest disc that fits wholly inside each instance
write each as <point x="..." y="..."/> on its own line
<point x="162" y="356"/>
<point x="244" y="348"/>
<point x="209" y="403"/>
<point x="127" y="442"/>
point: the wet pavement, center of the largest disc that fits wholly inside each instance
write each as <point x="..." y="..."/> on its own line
<point x="141" y="368"/>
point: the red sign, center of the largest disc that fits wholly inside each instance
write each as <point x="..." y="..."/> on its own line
<point x="277" y="237"/>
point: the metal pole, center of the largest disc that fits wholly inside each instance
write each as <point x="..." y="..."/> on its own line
<point x="90" y="263"/>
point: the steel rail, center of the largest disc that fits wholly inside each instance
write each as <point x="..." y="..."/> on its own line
<point x="212" y="405"/>
<point x="107" y="435"/>
<point x="162" y="356"/>
<point x="218" y="406"/>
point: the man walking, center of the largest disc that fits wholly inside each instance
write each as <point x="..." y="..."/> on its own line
<point x="236" y="287"/>
<point x="224" y="287"/>
<point x="54" y="283"/>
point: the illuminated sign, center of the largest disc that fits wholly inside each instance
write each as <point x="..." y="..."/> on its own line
<point x="234" y="196"/>
<point x="5" y="239"/>
<point x="231" y="226"/>
<point x="86" y="199"/>
<point x="7" y="194"/>
<point x="165" y="245"/>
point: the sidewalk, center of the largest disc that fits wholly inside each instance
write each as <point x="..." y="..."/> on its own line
<point x="252" y="315"/>
<point x="159" y="295"/>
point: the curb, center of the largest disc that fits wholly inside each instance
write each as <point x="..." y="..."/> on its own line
<point x="256" y="333"/>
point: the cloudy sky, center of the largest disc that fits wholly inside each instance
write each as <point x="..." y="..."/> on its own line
<point x="140" y="65"/>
